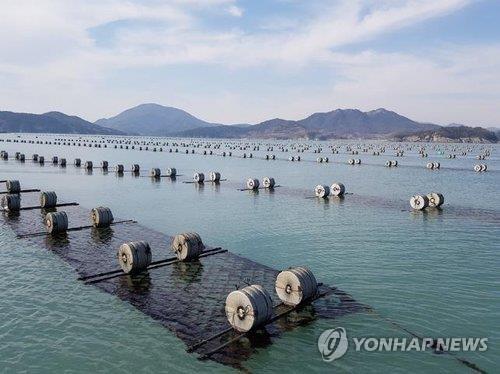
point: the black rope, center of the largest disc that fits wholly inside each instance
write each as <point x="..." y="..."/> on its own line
<point x="150" y="267"/>
<point x="99" y="275"/>
<point x="55" y="206"/>
<point x="22" y="236"/>
<point x="22" y="191"/>
<point x="415" y="335"/>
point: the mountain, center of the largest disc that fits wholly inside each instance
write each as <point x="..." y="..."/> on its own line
<point x="455" y="134"/>
<point x="153" y="119"/>
<point x="339" y="123"/>
<point x="51" y="122"/>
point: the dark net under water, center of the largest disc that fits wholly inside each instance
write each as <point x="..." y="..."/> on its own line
<point x="187" y="298"/>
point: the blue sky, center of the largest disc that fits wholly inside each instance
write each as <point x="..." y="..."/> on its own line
<point x="243" y="61"/>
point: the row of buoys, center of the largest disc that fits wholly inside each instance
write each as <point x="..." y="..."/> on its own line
<point x="135" y="257"/>
<point x="323" y="190"/>
<point x="57" y="222"/>
<point x="251" y="307"/>
<point x="267" y="182"/>
<point x="156" y="172"/>
<point x="12" y="201"/>
<point x="420" y="202"/>
<point x="159" y="141"/>
<point x="480" y="167"/>
<point x="433" y="165"/>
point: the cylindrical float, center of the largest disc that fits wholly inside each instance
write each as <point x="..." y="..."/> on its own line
<point x="187" y="246"/>
<point x="268" y="182"/>
<point x="48" y="199"/>
<point x="435" y="199"/>
<point x="155" y="173"/>
<point x="248" y="308"/>
<point x="56" y="222"/>
<point x="101" y="217"/>
<point x="134" y="257"/>
<point x="253" y="183"/>
<point x="419" y="202"/>
<point x="199" y="177"/>
<point x="11" y="203"/>
<point x="322" y="190"/>
<point x="337" y="189"/>
<point x="214" y="176"/>
<point x="296" y="285"/>
<point x="13" y="186"/>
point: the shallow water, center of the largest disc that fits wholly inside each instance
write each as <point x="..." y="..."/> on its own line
<point x="435" y="273"/>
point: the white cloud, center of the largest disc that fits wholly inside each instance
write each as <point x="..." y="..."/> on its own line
<point x="54" y="63"/>
<point x="235" y="11"/>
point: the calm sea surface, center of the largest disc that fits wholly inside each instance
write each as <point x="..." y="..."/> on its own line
<point x="435" y="273"/>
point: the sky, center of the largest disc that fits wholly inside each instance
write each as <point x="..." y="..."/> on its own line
<point x="246" y="61"/>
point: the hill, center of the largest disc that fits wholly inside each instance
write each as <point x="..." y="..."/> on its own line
<point x="51" y="122"/>
<point x="153" y="119"/>
<point x="455" y="134"/>
<point x="340" y="123"/>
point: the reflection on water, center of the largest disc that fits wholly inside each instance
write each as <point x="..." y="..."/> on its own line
<point x="215" y="186"/>
<point x="188" y="272"/>
<point x="427" y="214"/>
<point x="382" y="254"/>
<point x="297" y="318"/>
<point x="11" y="215"/>
<point x="102" y="235"/>
<point x="139" y="283"/>
<point x="59" y="240"/>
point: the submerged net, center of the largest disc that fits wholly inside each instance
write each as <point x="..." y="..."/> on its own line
<point x="187" y="298"/>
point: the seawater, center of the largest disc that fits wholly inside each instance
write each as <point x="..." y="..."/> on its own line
<point x="435" y="273"/>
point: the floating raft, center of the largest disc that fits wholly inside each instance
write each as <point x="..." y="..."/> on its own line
<point x="188" y="298"/>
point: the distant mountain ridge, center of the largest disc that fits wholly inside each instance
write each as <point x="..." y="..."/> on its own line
<point x="51" y="122"/>
<point x="158" y="120"/>
<point x="339" y="123"/>
<point x="153" y="119"/>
